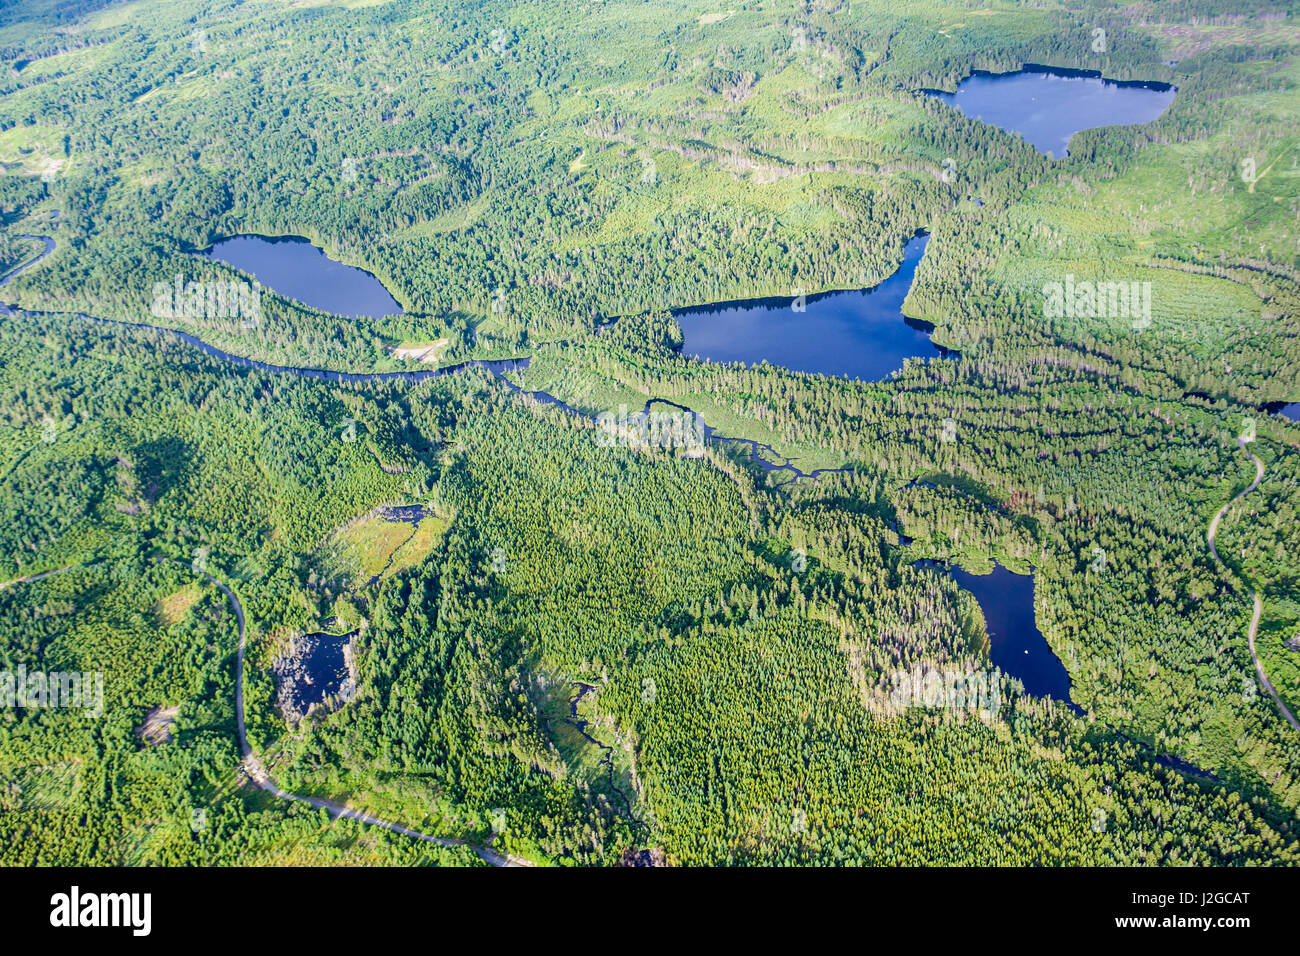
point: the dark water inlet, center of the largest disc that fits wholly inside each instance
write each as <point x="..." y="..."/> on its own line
<point x="861" y="333"/>
<point x="1018" y="648"/>
<point x="317" y="673"/>
<point x="1016" y="645"/>
<point x="1291" y="411"/>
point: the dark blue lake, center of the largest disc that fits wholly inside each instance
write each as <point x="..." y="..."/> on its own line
<point x="861" y="334"/>
<point x="1291" y="411"/>
<point x="1017" y="645"/>
<point x="294" y="268"/>
<point x="1048" y="106"/>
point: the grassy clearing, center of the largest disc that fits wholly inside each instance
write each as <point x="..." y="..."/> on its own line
<point x="362" y="550"/>
<point x="419" y="546"/>
<point x="173" y="608"/>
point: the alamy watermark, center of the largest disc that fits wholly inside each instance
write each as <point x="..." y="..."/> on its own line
<point x="208" y="299"/>
<point x="948" y="689"/>
<point x="76" y="909"/>
<point x="40" y="690"/>
<point x="681" y="430"/>
<point x="1098" y="300"/>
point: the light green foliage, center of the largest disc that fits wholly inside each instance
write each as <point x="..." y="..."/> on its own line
<point x="622" y="159"/>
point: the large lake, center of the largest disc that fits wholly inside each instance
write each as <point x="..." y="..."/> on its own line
<point x="294" y="268"/>
<point x="1047" y="106"/>
<point x="861" y="334"/>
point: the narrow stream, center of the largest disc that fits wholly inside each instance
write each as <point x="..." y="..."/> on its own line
<point x="399" y="514"/>
<point x="607" y="760"/>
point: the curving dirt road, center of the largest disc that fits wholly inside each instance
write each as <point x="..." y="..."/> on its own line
<point x="35" y="577"/>
<point x="1259" y="605"/>
<point x="257" y="773"/>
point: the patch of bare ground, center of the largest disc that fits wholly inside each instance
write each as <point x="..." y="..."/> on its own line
<point x="421" y="351"/>
<point x="1206" y="33"/>
<point x="157" y="727"/>
<point x="654" y="856"/>
<point x="739" y="163"/>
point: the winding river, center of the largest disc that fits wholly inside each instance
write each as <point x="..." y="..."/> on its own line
<point x="1018" y="648"/>
<point x="607" y="752"/>
<point x="23" y="267"/>
<point x="771" y="462"/>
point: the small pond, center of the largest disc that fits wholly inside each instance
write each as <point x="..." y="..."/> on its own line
<point x="314" y="673"/>
<point x="1017" y="646"/>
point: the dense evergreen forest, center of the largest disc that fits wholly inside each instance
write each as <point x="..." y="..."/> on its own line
<point x="550" y="180"/>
